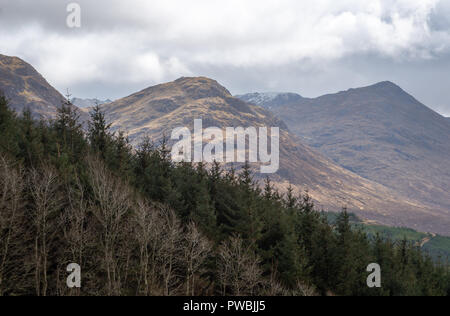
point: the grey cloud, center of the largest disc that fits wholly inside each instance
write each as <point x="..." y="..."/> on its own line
<point x="440" y="17"/>
<point x="307" y="47"/>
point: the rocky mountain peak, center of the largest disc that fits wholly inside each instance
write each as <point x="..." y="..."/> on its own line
<point x="201" y="88"/>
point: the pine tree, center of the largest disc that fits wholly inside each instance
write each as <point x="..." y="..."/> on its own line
<point x="268" y="189"/>
<point x="70" y="142"/>
<point x="132" y="213"/>
<point x="250" y="224"/>
<point x="30" y="141"/>
<point x="120" y="157"/>
<point x="99" y="135"/>
<point x="8" y="129"/>
<point x="290" y="201"/>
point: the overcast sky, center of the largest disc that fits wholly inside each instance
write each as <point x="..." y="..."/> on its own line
<point x="309" y="47"/>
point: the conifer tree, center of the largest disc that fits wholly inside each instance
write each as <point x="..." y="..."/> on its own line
<point x="99" y="135"/>
<point x="8" y="129"/>
<point x="69" y="140"/>
<point x="131" y="220"/>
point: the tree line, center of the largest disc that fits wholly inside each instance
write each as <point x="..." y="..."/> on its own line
<point x="139" y="224"/>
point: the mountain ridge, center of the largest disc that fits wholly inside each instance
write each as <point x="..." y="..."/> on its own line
<point x="86" y="103"/>
<point x="271" y="99"/>
<point x="157" y="110"/>
<point x="381" y="133"/>
<point x="26" y="89"/>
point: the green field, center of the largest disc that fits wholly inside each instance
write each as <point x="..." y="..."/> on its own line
<point x="438" y="247"/>
<point x="394" y="233"/>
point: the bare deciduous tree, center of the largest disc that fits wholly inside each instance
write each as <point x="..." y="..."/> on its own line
<point x="238" y="268"/>
<point x="148" y="232"/>
<point x="304" y="289"/>
<point x="171" y="252"/>
<point x="273" y="287"/>
<point x="45" y="190"/>
<point x="11" y="216"/>
<point x="75" y="228"/>
<point x="196" y="250"/>
<point x="112" y="202"/>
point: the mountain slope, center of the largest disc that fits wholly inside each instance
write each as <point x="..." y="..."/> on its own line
<point x="381" y="133"/>
<point x="86" y="103"/>
<point x="26" y="88"/>
<point x="160" y="109"/>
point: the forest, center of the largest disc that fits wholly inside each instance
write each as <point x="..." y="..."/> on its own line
<point x="140" y="225"/>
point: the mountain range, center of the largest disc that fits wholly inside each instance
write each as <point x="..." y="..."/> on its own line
<point x="304" y="163"/>
<point x="158" y="110"/>
<point x="379" y="132"/>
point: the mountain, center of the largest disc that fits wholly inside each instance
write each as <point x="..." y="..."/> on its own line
<point x="86" y="103"/>
<point x="26" y="88"/>
<point x="158" y="110"/>
<point x="270" y="100"/>
<point x="381" y="133"/>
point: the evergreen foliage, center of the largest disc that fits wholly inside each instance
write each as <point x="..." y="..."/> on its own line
<point x="139" y="224"/>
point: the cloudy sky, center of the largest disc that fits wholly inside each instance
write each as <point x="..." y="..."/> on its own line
<point x="308" y="47"/>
